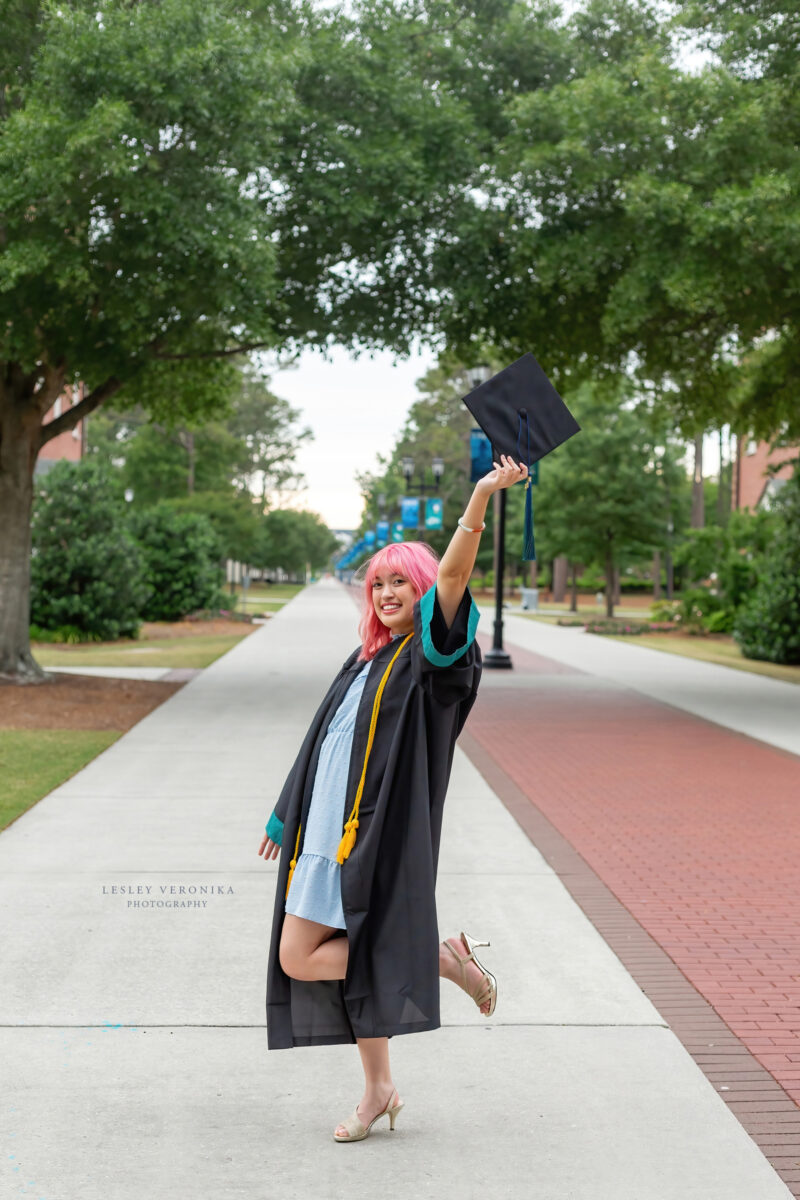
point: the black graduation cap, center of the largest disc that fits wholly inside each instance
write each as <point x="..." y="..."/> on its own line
<point x="523" y="417"/>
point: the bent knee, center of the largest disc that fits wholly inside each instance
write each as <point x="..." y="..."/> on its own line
<point x="293" y="964"/>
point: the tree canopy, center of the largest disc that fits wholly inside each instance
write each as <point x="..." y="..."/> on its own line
<point x="179" y="183"/>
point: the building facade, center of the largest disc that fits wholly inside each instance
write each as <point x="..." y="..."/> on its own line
<point x="70" y="445"/>
<point x="753" y="483"/>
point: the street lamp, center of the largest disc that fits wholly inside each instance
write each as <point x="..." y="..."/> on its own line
<point x="407" y="467"/>
<point x="498" y="657"/>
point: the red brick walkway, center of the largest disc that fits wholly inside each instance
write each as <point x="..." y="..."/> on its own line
<point x="694" y="828"/>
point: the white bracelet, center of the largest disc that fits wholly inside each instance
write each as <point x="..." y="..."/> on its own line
<point x="467" y="528"/>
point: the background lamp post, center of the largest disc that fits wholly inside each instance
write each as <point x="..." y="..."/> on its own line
<point x="497" y="657"/>
<point x="407" y="467"/>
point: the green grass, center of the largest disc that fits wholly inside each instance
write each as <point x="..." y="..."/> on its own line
<point x="199" y="650"/>
<point x="254" y="604"/>
<point x="714" y="650"/>
<point x="33" y="762"/>
<point x="278" y="591"/>
<point x="551" y="616"/>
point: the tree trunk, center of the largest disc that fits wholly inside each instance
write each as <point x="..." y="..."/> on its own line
<point x="656" y="574"/>
<point x="559" y="578"/>
<point x="19" y="445"/>
<point x="191" y="456"/>
<point x="698" y="503"/>
<point x="534" y="573"/>
<point x="670" y="574"/>
<point x="736" y="476"/>
<point x="617" y="585"/>
<point x="610" y="579"/>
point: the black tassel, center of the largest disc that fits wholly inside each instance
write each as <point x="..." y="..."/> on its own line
<point x="529" y="551"/>
<point x="528" y="544"/>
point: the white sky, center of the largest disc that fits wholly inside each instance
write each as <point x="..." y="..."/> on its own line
<point x="356" y="408"/>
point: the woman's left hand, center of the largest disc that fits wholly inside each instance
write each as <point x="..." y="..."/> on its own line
<point x="505" y="473"/>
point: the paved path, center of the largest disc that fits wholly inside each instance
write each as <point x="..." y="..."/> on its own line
<point x="763" y="708"/>
<point x="693" y="827"/>
<point x="152" y="674"/>
<point x="132" y="1027"/>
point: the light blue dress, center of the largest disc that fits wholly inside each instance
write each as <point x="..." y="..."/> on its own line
<point x="315" y="891"/>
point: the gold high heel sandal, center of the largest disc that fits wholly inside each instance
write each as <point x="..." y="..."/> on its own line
<point x="356" y="1131"/>
<point x="488" y="977"/>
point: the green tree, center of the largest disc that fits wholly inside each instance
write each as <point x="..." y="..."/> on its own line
<point x="292" y="540"/>
<point x="87" y="571"/>
<point x="252" y="444"/>
<point x="180" y="555"/>
<point x="234" y="517"/>
<point x="638" y="215"/>
<point x="601" y="497"/>
<point x="182" y="183"/>
<point x="768" y="626"/>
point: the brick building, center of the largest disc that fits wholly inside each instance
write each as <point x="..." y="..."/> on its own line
<point x="69" y="445"/>
<point x="752" y="486"/>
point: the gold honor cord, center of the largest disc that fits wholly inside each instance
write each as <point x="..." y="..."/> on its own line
<point x="351" y="825"/>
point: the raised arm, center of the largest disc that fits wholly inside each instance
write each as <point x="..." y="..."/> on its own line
<point x="458" y="559"/>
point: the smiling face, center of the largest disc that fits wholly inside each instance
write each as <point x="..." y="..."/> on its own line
<point x="394" y="597"/>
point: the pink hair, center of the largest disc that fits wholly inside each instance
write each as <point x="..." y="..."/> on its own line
<point x="415" y="561"/>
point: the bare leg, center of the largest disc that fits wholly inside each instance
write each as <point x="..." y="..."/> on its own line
<point x="378" y="1085"/>
<point x="310" y="950"/>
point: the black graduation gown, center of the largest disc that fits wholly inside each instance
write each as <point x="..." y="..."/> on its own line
<point x="388" y="880"/>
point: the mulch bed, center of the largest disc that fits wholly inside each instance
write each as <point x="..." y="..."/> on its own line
<point x="81" y="702"/>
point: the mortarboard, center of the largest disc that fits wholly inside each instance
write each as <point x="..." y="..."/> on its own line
<point x="524" y="417"/>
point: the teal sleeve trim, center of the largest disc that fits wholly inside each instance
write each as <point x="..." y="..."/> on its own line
<point x="426" y="609"/>
<point x="275" y="829"/>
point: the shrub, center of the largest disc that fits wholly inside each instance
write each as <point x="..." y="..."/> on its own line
<point x="625" y="628"/>
<point x="68" y="634"/>
<point x="720" y="621"/>
<point x="180" y="552"/>
<point x="86" y="570"/>
<point x="768" y="627"/>
<point x="666" y="610"/>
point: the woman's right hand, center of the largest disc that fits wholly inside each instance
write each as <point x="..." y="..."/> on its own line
<point x="269" y="848"/>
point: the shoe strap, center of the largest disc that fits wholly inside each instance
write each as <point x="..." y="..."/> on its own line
<point x="354" y="1124"/>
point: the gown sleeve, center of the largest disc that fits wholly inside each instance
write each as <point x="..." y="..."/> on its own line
<point x="446" y="662"/>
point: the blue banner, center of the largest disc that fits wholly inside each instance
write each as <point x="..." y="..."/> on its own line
<point x="382" y="530"/>
<point x="480" y="453"/>
<point x="409" y="512"/>
<point x="369" y="537"/>
<point x="434" y="513"/>
<point x="397" y="531"/>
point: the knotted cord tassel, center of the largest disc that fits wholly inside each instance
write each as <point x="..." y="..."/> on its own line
<point x="347" y="842"/>
<point x="293" y="863"/>
<point x="529" y="551"/>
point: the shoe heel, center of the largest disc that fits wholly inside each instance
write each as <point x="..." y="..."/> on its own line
<point x="471" y="943"/>
<point x="393" y="1114"/>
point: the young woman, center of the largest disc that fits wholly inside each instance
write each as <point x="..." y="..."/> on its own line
<point x="354" y="954"/>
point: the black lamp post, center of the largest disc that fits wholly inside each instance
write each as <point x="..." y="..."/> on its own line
<point x="498" y="657"/>
<point x="407" y="467"/>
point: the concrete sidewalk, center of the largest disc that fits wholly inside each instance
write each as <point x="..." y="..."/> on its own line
<point x="763" y="708"/>
<point x="133" y="1039"/>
